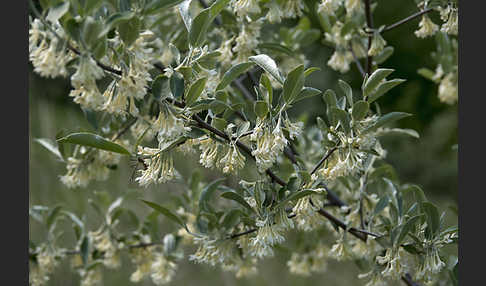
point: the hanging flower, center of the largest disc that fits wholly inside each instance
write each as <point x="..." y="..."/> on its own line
<point x="427" y="27"/>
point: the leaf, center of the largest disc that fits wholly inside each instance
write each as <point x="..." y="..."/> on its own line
<point x="184" y="11"/>
<point x="307" y="92"/>
<point x="374" y="80"/>
<point x="51" y="146"/>
<point x="381" y="205"/>
<point x="156" y="5"/>
<point x="294" y="196"/>
<point x="400" y="131"/>
<point x="176" y="84"/>
<point x="129" y="30"/>
<point x="195" y="90"/>
<point x="384" y="55"/>
<point x="93" y="140"/>
<point x="57" y="11"/>
<point x="159" y="86"/>
<point x="166" y="212"/>
<point x="232" y="74"/>
<point x="116" y="19"/>
<point x="348" y="91"/>
<point x="385" y="119"/>
<point x="427" y="73"/>
<point x="199" y="28"/>
<point x="293" y="84"/>
<point x="265" y="82"/>
<point x="360" y="109"/>
<point x="267" y="64"/>
<point x="230" y="195"/>
<point x="231" y="219"/>
<point x="432" y="217"/>
<point x="311" y="70"/>
<point x="407" y="227"/>
<point x="343" y="117"/>
<point x="206" y="194"/>
<point x="276" y="47"/>
<point x="384" y="88"/>
<point x="330" y="98"/>
<point x="51" y="217"/>
<point x="242" y="128"/>
<point x="84" y="248"/>
<point x="261" y="108"/>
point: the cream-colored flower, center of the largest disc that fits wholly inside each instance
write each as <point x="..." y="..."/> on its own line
<point x="377" y="45"/>
<point x="427" y="27"/>
<point x="163" y="270"/>
<point x="448" y="91"/>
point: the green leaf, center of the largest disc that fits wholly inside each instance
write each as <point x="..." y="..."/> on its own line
<point x="84" y="248"/>
<point x="176" y="85"/>
<point x="219" y="123"/>
<point x="231" y="218"/>
<point x="386" y="119"/>
<point x="293" y="84"/>
<point x="265" y="82"/>
<point x="51" y="217"/>
<point x="92" y="31"/>
<point x="93" y="140"/>
<point x="51" y="146"/>
<point x="427" y="73"/>
<point x="311" y="70"/>
<point x="160" y="86"/>
<point x="261" y="108"/>
<point x="199" y="28"/>
<point x="267" y="64"/>
<point x="156" y="5"/>
<point x="307" y="92"/>
<point x="432" y="217"/>
<point x="57" y="11"/>
<point x="343" y="117"/>
<point x="230" y="195"/>
<point x="206" y="194"/>
<point x="232" y="74"/>
<point x="348" y="91"/>
<point x="384" y="88"/>
<point x="407" y="227"/>
<point x="384" y="55"/>
<point x="166" y="212"/>
<point x="293" y="197"/>
<point x="195" y="90"/>
<point x="90" y="5"/>
<point x="381" y="205"/>
<point x="129" y="30"/>
<point x="330" y="98"/>
<point x="375" y="79"/>
<point x="116" y="19"/>
<point x="400" y="131"/>
<point x="185" y="13"/>
<point x="360" y="109"/>
<point x="276" y="47"/>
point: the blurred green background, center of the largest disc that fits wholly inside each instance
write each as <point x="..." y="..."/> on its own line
<point x="429" y="162"/>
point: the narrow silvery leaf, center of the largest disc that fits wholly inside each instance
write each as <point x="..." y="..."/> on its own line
<point x="269" y="65"/>
<point x="51" y="146"/>
<point x="360" y="109"/>
<point x="384" y="88"/>
<point x="57" y="11"/>
<point x="93" y="140"/>
<point x="184" y="11"/>
<point x="375" y="79"/>
<point x="386" y="119"/>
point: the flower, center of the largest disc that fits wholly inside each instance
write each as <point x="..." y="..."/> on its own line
<point x="209" y="152"/>
<point x="169" y="127"/>
<point x="340" y="61"/>
<point x="91" y="277"/>
<point x="377" y="44"/>
<point x="142" y="257"/>
<point x="329" y="6"/>
<point x="339" y="250"/>
<point x="245" y="7"/>
<point x="352" y="6"/>
<point x="394" y="268"/>
<point x="163" y="270"/>
<point x="427" y="27"/>
<point x="103" y="243"/>
<point x="448" y="91"/>
<point x="275" y="13"/>
<point x="450" y="17"/>
<point x="160" y="166"/>
<point x="268" y="235"/>
<point x="247" y="40"/>
<point x="232" y="161"/>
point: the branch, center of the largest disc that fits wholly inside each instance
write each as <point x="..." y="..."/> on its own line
<point x="322" y="160"/>
<point x="409" y="18"/>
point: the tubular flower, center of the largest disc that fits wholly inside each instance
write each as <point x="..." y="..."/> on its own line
<point x="269" y="146"/>
<point x="448" y="91"/>
<point x="377" y="45"/>
<point x="340" y="61"/>
<point x="169" y="127"/>
<point x="163" y="270"/>
<point x="267" y="236"/>
<point x="394" y="268"/>
<point x="160" y="166"/>
<point x="329" y="6"/>
<point x="103" y="243"/>
<point x="427" y="27"/>
<point x="352" y="6"/>
<point x="245" y="7"/>
<point x="232" y="161"/>
<point x="212" y="251"/>
<point x="209" y="152"/>
<point x="142" y="257"/>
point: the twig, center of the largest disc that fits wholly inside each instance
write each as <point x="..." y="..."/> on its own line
<point x="409" y="18"/>
<point x="322" y="160"/>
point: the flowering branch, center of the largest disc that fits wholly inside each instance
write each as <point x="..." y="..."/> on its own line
<point x="409" y="18"/>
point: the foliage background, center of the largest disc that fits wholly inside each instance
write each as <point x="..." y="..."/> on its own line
<point x="430" y="162"/>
